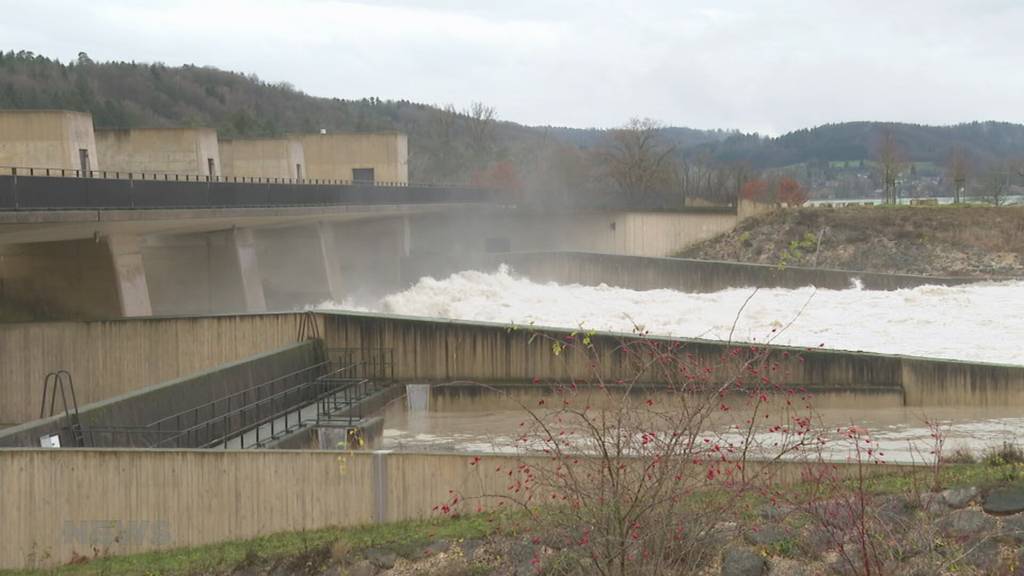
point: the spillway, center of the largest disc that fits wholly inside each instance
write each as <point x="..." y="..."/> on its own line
<point x="981" y="322"/>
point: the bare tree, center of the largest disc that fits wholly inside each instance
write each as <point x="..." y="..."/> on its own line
<point x="891" y="163"/>
<point x="639" y="161"/>
<point x="443" y="157"/>
<point x="958" y="168"/>
<point x="997" y="182"/>
<point x="481" y="122"/>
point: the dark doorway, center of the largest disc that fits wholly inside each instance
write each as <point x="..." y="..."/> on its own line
<point x="362" y="175"/>
<point x="212" y="166"/>
<point x="298" y="171"/>
<point x="83" y="161"/>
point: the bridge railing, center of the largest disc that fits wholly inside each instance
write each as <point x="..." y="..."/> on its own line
<point x="61" y="189"/>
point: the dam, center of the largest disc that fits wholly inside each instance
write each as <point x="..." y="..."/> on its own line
<point x="341" y="341"/>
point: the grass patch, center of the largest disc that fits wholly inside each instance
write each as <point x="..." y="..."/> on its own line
<point x="403" y="538"/>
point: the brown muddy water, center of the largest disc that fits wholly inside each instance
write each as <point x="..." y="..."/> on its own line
<point x="475" y="419"/>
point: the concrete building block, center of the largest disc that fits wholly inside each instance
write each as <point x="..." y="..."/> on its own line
<point x="55" y="139"/>
<point x="191" y="151"/>
<point x="337" y="156"/>
<point x="263" y="158"/>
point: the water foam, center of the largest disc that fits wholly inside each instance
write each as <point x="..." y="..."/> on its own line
<point x="979" y="322"/>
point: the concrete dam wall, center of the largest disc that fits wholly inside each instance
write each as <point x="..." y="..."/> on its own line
<point x="112" y="358"/>
<point x="688" y="275"/>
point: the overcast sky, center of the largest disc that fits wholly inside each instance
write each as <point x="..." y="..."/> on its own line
<point x="768" y="66"/>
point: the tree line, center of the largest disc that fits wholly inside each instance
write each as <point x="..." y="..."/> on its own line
<point x="641" y="164"/>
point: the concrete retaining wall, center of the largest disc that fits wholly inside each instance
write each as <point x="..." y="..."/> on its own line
<point x="62" y="503"/>
<point x="59" y="504"/>
<point x="111" y="358"/>
<point x="462" y="236"/>
<point x="644" y="273"/>
<point x="142" y="407"/>
<point x="445" y="351"/>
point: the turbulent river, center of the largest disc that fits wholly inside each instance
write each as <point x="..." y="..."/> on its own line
<point x="979" y="322"/>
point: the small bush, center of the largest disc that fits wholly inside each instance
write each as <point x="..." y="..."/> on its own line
<point x="960" y="455"/>
<point x="1007" y="453"/>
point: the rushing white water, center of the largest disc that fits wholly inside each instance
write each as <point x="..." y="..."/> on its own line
<point x="979" y="322"/>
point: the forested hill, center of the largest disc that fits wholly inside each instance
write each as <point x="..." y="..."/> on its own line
<point x="469" y="145"/>
<point x="445" y="144"/>
<point x="983" y="141"/>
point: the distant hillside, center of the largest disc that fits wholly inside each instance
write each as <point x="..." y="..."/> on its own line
<point x="444" y="144"/>
<point x="983" y="141"/>
<point x="552" y="165"/>
<point x="681" y="138"/>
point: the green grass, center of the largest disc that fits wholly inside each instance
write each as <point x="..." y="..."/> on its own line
<point x="403" y="538"/>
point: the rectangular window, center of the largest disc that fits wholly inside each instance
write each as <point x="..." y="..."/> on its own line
<point x="362" y="175"/>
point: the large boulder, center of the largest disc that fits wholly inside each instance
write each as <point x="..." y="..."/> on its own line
<point x="742" y="562"/>
<point x="1002" y="501"/>
<point x="959" y="497"/>
<point x="967" y="524"/>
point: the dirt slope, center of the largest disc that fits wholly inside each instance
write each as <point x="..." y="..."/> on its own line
<point x="947" y="241"/>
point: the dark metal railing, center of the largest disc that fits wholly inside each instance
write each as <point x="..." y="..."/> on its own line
<point x="266" y="411"/>
<point x="190" y="425"/>
<point x="29" y="188"/>
<point x="285" y="406"/>
<point x="337" y="394"/>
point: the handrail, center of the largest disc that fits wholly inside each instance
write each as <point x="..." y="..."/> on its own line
<point x="43" y="171"/>
<point x="242" y="392"/>
<point x="225" y="417"/>
<point x="297" y="408"/>
<point x="231" y="414"/>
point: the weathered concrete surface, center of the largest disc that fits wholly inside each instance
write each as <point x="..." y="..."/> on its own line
<point x="58" y="503"/>
<point x="110" y="358"/>
<point x="146" y="405"/>
<point x="73" y="279"/>
<point x="129" y="276"/>
<point x="25" y="226"/>
<point x="460" y="237"/>
<point x="159" y="150"/>
<point x="46" y="139"/>
<point x="334" y="156"/>
<point x="262" y="158"/>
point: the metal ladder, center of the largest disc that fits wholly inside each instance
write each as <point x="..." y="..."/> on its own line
<point x="61" y="380"/>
